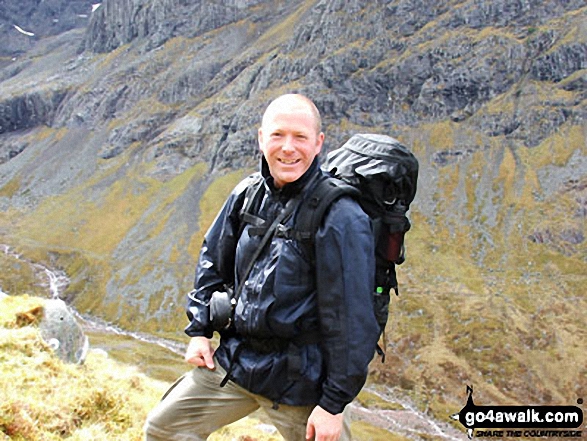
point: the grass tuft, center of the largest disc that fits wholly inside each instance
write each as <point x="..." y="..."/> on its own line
<point x="47" y="399"/>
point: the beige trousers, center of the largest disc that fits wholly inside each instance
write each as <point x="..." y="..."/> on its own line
<point x="196" y="405"/>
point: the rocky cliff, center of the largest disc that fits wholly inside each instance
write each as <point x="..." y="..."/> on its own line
<point x="119" y="141"/>
<point x="24" y="22"/>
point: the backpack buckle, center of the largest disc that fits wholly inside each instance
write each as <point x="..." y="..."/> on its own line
<point x="283" y="232"/>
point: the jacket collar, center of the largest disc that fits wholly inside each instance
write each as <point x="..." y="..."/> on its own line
<point x="292" y="188"/>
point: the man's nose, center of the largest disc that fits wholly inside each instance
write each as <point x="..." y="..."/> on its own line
<point x="288" y="144"/>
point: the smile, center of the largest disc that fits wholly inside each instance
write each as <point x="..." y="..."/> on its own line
<point x="288" y="161"/>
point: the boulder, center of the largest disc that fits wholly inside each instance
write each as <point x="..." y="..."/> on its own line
<point x="60" y="329"/>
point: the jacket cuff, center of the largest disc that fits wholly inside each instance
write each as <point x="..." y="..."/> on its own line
<point x="331" y="405"/>
<point x="198" y="333"/>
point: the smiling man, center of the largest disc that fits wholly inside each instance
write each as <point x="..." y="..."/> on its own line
<point x="290" y="137"/>
<point x="300" y="331"/>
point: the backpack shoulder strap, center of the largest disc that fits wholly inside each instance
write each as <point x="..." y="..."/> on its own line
<point x="252" y="201"/>
<point x="312" y="210"/>
<point x="253" y="193"/>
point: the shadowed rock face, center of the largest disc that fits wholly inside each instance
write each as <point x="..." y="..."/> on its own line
<point x="29" y="111"/>
<point x="41" y="18"/>
<point x="62" y="332"/>
<point x="119" y="22"/>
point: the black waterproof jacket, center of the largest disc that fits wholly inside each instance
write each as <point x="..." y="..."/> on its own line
<point x="322" y="312"/>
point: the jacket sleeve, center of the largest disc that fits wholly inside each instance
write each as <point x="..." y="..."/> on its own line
<point x="215" y="268"/>
<point x="345" y="265"/>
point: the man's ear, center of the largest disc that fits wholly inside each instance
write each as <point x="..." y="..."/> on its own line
<point x="260" y="138"/>
<point x="320" y="142"/>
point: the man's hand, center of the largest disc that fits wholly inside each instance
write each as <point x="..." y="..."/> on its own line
<point x="323" y="426"/>
<point x="200" y="352"/>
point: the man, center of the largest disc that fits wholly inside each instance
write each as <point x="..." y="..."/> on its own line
<point x="303" y="330"/>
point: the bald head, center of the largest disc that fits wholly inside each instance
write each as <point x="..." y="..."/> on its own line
<point x="293" y="102"/>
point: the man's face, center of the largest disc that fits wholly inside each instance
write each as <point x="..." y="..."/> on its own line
<point x="289" y="140"/>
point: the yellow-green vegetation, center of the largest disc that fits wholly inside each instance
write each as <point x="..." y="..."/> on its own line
<point x="84" y="226"/>
<point x="211" y="202"/>
<point x="11" y="187"/>
<point x="278" y="33"/>
<point x="441" y="135"/>
<point x="557" y="149"/>
<point x="492" y="293"/>
<point x="18" y="277"/>
<point x="371" y="400"/>
<point x="514" y="346"/>
<point x="95" y="218"/>
<point x="46" y="399"/>
<point x="366" y="432"/>
<point x="496" y="300"/>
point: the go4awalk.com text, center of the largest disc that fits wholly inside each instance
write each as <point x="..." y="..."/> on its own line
<point x="520" y="421"/>
<point x="535" y="433"/>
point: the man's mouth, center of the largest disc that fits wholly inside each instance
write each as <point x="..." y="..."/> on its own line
<point x="288" y="161"/>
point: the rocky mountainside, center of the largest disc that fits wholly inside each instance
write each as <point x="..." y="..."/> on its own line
<point x="24" y="22"/>
<point x="120" y="139"/>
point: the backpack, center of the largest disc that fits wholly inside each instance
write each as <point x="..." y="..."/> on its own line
<point x="381" y="174"/>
